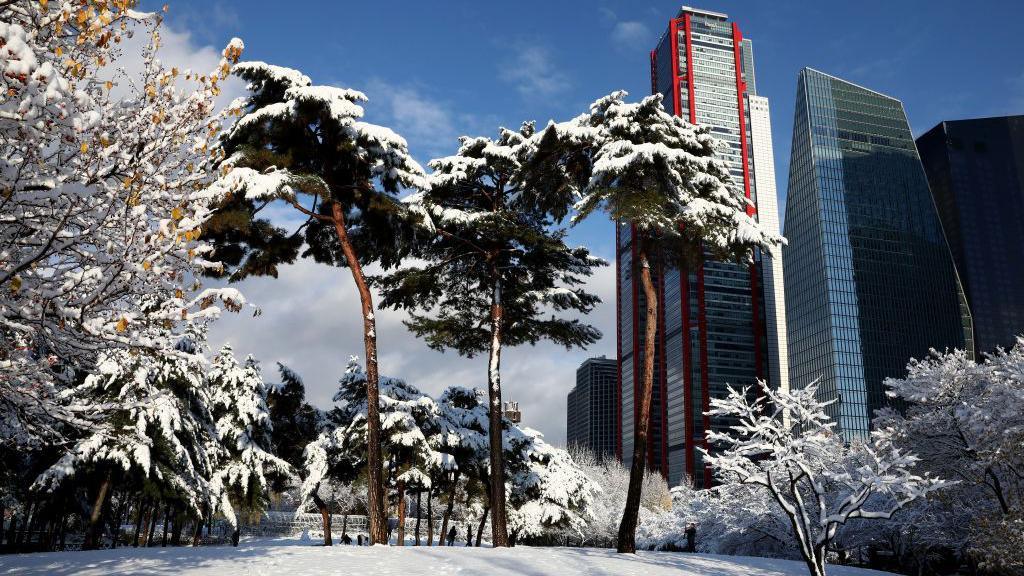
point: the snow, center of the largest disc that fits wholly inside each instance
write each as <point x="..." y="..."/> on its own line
<point x="301" y="559"/>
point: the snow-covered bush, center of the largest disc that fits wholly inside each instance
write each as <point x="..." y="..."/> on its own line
<point x="965" y="421"/>
<point x="605" y="508"/>
<point x="782" y="442"/>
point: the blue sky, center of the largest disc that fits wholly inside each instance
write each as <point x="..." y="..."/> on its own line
<point x="435" y="70"/>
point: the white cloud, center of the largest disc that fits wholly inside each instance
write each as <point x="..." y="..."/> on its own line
<point x="430" y="125"/>
<point x="532" y="73"/>
<point x="177" y="49"/>
<point x="311" y="322"/>
<point x="632" y="35"/>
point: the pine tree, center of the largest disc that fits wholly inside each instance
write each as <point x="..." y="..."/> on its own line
<point x="305" y="146"/>
<point x="409" y="419"/>
<point x="550" y="493"/>
<point x="294" y="422"/>
<point x="151" y="427"/>
<point x="496" y="270"/>
<point x="659" y="174"/>
<point x="248" y="467"/>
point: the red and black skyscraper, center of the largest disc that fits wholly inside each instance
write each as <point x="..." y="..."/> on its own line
<point x="720" y="323"/>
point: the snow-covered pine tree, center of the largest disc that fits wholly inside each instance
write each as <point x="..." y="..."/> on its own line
<point x="150" y="426"/>
<point x="496" y="271"/>
<point x="294" y="422"/>
<point x="248" y="467"/>
<point x="306" y="147"/>
<point x="784" y="443"/>
<point x="660" y="175"/>
<point x="98" y="206"/>
<point x="408" y="417"/>
<point x="464" y="422"/>
<point x="550" y="494"/>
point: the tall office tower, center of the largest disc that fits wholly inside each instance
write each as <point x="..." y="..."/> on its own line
<point x="870" y="281"/>
<point x="976" y="172"/>
<point x="713" y="320"/>
<point x="592" y="409"/>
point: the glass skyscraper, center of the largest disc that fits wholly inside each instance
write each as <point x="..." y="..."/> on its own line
<point x="976" y="172"/>
<point x="870" y="281"/>
<point x="592" y="407"/>
<point x="719" y="323"/>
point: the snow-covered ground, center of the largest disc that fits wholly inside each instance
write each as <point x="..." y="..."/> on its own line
<point x="292" y="558"/>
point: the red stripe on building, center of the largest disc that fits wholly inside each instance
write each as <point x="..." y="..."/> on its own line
<point x="618" y="343"/>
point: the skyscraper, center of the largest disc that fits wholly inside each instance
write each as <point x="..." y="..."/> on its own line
<point x="870" y="281"/>
<point x="976" y="172"/>
<point x="713" y="320"/>
<point x="591" y="410"/>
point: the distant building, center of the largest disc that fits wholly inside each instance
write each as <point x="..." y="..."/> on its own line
<point x="591" y="410"/>
<point x="976" y="172"/>
<point x="870" y="281"/>
<point x="511" y="411"/>
<point x="719" y="323"/>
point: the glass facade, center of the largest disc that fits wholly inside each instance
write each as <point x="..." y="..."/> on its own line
<point x="592" y="407"/>
<point x="975" y="170"/>
<point x="712" y="319"/>
<point x="870" y="282"/>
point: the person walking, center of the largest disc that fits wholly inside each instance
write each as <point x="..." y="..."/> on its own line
<point x="451" y="536"/>
<point x="691" y="537"/>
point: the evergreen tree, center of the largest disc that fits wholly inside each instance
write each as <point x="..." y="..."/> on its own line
<point x="151" y="427"/>
<point x="550" y="493"/>
<point x="659" y="174"/>
<point x="248" y="467"/>
<point x="496" y="271"/>
<point x="408" y="418"/>
<point x="294" y="422"/>
<point x="306" y="147"/>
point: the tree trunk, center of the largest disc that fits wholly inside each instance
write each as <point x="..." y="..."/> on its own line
<point x="150" y="524"/>
<point x="430" y="515"/>
<point x="480" y="528"/>
<point x="641" y="427"/>
<point x="378" y="527"/>
<point x="448" y="511"/>
<point x="167" y="519"/>
<point x="138" y="522"/>
<point x="325" y="514"/>
<point x="344" y="524"/>
<point x="499" y="530"/>
<point x="419" y="512"/>
<point x="197" y="535"/>
<point x="179" y="525"/>
<point x="116" y="521"/>
<point x="400" y="540"/>
<point x="12" y="530"/>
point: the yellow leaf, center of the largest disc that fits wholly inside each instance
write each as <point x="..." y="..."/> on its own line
<point x="109" y="85"/>
<point x="15" y="284"/>
<point x="59" y="51"/>
<point x="43" y="3"/>
<point x="176" y="213"/>
<point x="147" y="265"/>
<point x="122" y="325"/>
<point x="178" y="293"/>
<point x="85" y="147"/>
